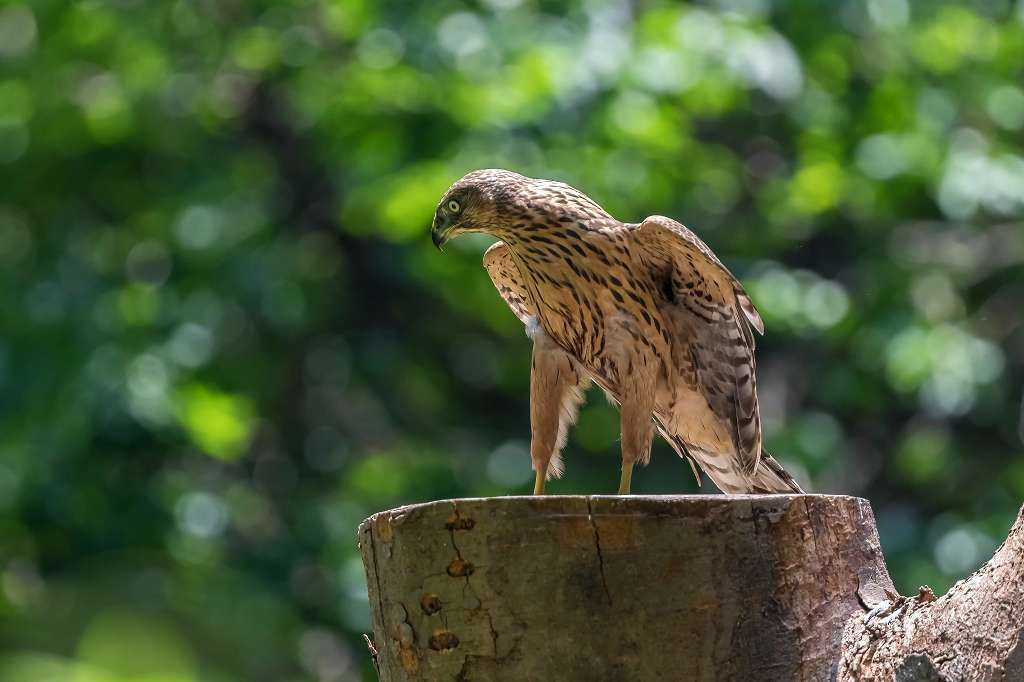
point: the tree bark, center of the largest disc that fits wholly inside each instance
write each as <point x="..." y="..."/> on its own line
<point x="973" y="632"/>
<point x="776" y="587"/>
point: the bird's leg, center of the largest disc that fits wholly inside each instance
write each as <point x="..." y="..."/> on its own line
<point x="556" y="390"/>
<point x="637" y="425"/>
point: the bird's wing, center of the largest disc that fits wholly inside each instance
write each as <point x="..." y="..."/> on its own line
<point x="712" y="316"/>
<point x="505" y="275"/>
<point x="557" y="377"/>
<point x="660" y="227"/>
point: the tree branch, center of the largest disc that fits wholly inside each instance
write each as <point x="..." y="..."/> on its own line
<point x="972" y="632"/>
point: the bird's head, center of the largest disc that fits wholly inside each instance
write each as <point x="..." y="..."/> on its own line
<point x="479" y="202"/>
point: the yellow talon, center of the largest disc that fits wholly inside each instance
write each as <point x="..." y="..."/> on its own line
<point x="538" y="484"/>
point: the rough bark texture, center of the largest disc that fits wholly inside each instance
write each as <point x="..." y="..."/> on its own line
<point x="973" y="632"/>
<point x="779" y="587"/>
<point x="619" y="588"/>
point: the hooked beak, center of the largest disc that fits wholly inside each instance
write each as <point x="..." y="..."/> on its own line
<point x="440" y="231"/>
<point x="438" y="236"/>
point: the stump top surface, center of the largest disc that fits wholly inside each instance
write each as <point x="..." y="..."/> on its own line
<point x="654" y="505"/>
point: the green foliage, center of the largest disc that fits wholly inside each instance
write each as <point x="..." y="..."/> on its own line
<point x="227" y="337"/>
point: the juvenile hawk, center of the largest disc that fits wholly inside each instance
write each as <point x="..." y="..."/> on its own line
<point x="644" y="310"/>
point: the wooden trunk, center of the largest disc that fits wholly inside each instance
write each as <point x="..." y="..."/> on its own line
<point x="614" y="588"/>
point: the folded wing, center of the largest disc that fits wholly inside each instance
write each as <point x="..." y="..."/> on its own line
<point x="505" y="275"/>
<point x="711" y="318"/>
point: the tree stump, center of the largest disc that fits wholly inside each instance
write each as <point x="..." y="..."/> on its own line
<point x="747" y="587"/>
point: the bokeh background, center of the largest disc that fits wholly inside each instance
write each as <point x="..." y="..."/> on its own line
<point x="227" y="337"/>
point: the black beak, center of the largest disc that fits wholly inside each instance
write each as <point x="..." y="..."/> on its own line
<point x="438" y="237"/>
<point x="439" y="230"/>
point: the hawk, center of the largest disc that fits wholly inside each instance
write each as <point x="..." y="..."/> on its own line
<point x="644" y="310"/>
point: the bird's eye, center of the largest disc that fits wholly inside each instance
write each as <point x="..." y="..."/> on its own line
<point x="453" y="206"/>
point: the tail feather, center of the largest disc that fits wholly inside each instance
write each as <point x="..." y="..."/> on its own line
<point x="726" y="473"/>
<point x="770" y="477"/>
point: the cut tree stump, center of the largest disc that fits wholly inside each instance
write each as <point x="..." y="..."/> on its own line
<point x="707" y="587"/>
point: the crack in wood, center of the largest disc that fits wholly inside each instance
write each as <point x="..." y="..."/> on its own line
<point x="597" y="545"/>
<point x="467" y="566"/>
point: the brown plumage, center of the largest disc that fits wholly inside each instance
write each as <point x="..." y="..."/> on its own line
<point x="644" y="310"/>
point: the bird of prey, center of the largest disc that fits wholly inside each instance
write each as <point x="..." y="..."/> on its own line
<point x="644" y="310"/>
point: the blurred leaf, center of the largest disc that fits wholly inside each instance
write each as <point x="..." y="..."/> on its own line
<point x="219" y="423"/>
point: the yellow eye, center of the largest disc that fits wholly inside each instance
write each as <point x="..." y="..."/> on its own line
<point x="453" y="206"/>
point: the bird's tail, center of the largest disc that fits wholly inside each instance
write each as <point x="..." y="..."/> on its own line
<point x="770" y="477"/>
